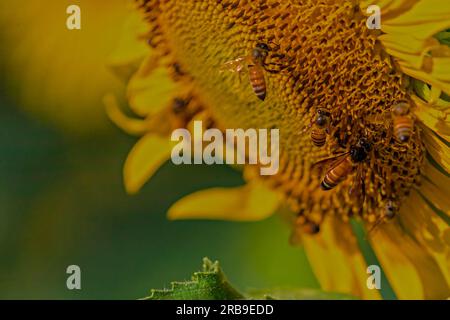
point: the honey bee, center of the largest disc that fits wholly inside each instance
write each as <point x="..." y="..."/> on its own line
<point x="402" y="121"/>
<point x="340" y="166"/>
<point x="256" y="65"/>
<point x="320" y="130"/>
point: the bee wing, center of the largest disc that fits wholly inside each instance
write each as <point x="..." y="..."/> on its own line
<point x="380" y="119"/>
<point x="358" y="188"/>
<point x="330" y="161"/>
<point x="235" y="65"/>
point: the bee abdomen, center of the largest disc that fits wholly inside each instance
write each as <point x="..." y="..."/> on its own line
<point x="403" y="129"/>
<point x="327" y="185"/>
<point x="258" y="83"/>
<point x="318" y="137"/>
<point x="336" y="175"/>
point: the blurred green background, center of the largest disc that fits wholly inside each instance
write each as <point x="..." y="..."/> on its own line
<point x="62" y="201"/>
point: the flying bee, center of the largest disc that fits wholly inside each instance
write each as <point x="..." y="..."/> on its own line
<point x="321" y="128"/>
<point x="402" y="121"/>
<point x="256" y="65"/>
<point x="342" y="165"/>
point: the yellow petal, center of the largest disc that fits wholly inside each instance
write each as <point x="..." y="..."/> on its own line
<point x="151" y="89"/>
<point x="411" y="270"/>
<point x="409" y="37"/>
<point x="250" y="202"/>
<point x="149" y="153"/>
<point x="433" y="118"/>
<point x="432" y="96"/>
<point x="389" y="8"/>
<point x="131" y="48"/>
<point x="436" y="188"/>
<point x="436" y="148"/>
<point x="423" y="20"/>
<point x="425" y="77"/>
<point x="336" y="259"/>
<point x="429" y="230"/>
<point x="441" y="68"/>
<point x="407" y="44"/>
<point x="131" y="126"/>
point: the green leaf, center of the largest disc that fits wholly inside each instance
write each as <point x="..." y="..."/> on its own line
<point x="298" y="294"/>
<point x="208" y="284"/>
<point x="211" y="284"/>
<point x="444" y="37"/>
<point x="424" y="91"/>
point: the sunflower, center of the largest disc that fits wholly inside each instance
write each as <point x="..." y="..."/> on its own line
<point x="330" y="60"/>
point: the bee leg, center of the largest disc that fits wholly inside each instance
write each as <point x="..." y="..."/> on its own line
<point x="273" y="71"/>
<point x="278" y="56"/>
<point x="275" y="47"/>
<point x="278" y="67"/>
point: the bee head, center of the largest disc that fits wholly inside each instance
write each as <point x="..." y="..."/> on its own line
<point x="400" y="109"/>
<point x="262" y="46"/>
<point x="261" y="51"/>
<point x="322" y="118"/>
<point x="360" y="151"/>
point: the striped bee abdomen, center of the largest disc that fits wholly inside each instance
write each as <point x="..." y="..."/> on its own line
<point x="403" y="128"/>
<point x="337" y="174"/>
<point x="318" y="137"/>
<point x="256" y="75"/>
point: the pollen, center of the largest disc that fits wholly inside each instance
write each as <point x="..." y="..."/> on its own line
<point x="328" y="59"/>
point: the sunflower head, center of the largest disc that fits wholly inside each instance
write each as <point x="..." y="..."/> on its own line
<point x="328" y="61"/>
